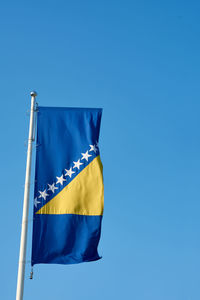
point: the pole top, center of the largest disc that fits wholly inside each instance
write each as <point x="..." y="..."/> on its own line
<point x="33" y="94"/>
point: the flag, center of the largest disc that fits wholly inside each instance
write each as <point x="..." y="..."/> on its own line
<point x="68" y="195"/>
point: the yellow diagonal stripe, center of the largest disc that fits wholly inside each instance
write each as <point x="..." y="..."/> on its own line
<point x="82" y="196"/>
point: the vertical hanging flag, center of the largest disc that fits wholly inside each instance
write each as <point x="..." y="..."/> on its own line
<point x="68" y="197"/>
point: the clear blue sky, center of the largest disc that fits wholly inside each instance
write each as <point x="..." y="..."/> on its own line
<point x="140" y="61"/>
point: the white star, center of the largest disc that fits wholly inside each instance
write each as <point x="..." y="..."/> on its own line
<point x="36" y="202"/>
<point x="60" y="179"/>
<point x="43" y="194"/>
<point x="85" y="155"/>
<point x="77" y="164"/>
<point x="69" y="172"/>
<point x="52" y="187"/>
<point x="93" y="148"/>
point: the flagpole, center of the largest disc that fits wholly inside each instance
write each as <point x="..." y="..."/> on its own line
<point x="22" y="253"/>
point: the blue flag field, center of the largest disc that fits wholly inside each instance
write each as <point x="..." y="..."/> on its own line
<point x="68" y="196"/>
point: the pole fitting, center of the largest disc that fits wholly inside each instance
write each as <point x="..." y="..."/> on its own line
<point x="33" y="94"/>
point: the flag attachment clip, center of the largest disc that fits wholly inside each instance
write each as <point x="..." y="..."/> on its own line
<point x="31" y="273"/>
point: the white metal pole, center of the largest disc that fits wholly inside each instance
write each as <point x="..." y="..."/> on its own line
<point x="22" y="253"/>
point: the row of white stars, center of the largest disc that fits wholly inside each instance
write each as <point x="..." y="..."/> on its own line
<point x="61" y="179"/>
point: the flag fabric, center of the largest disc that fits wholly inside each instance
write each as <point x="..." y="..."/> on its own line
<point x="68" y="196"/>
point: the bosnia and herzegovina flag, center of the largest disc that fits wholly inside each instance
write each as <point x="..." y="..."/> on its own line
<point x="68" y="197"/>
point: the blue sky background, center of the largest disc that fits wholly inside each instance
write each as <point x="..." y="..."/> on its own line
<point x="140" y="61"/>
